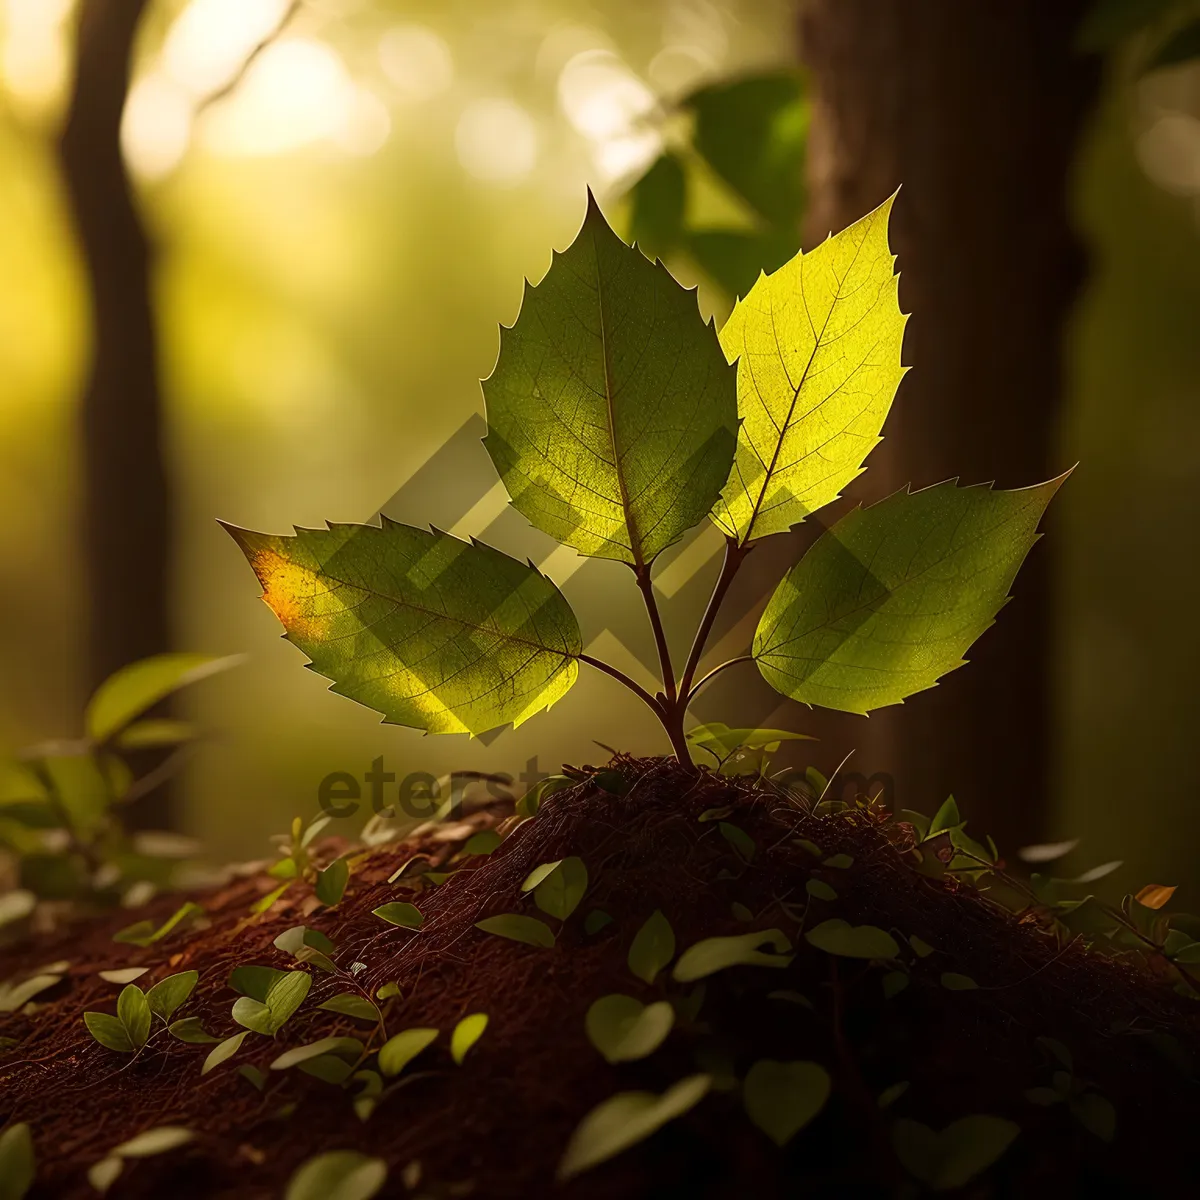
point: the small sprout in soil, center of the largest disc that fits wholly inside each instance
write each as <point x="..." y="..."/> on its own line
<point x="894" y="982"/>
<point x="124" y="975"/>
<point x="129" y="1030"/>
<point x="624" y="1029"/>
<point x="836" y="936"/>
<point x="343" y="1047"/>
<point x="189" y="1029"/>
<point x="481" y="843"/>
<point x="338" y="1175"/>
<point x="331" y="882"/>
<point x="949" y="1159"/>
<point x="560" y="891"/>
<point x="18" y="1167"/>
<point x="399" y="1051"/>
<point x="519" y="928"/>
<point x="146" y="933"/>
<point x="839" y="862"/>
<point x="739" y="839"/>
<point x="954" y="982"/>
<point x="820" y="890"/>
<point x="653" y="947"/>
<point x="466" y="1033"/>
<point x="719" y="953"/>
<point x="781" y="1098"/>
<point x="624" y="1120"/>
<point x="154" y="1141"/>
<point x="269" y="997"/>
<point x="350" y="1005"/>
<point x="387" y="991"/>
<point x="401" y="913"/>
<point x="596" y="920"/>
<point x="307" y="946"/>
<point x="223" y="1052"/>
<point x="171" y="993"/>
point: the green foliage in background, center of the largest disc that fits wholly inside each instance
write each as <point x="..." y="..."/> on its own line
<point x="611" y="419"/>
<point x="748" y="137"/>
<point x="1167" y="31"/>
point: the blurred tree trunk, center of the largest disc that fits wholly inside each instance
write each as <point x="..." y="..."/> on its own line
<point x="977" y="110"/>
<point x="126" y="512"/>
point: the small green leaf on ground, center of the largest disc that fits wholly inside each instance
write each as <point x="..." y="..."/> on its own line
<point x="14" y="996"/>
<point x="399" y="912"/>
<point x="559" y="893"/>
<point x="653" y="947"/>
<point x="400" y="1050"/>
<point x="17" y="1164"/>
<point x="739" y="839"/>
<point x="189" y="1030"/>
<point x="483" y="842"/>
<point x="108" y="1031"/>
<point x="539" y="874"/>
<point x="283" y="995"/>
<point x="223" y="1052"/>
<point x="519" y="928"/>
<point x="718" y="953"/>
<point x="350" y="1005"/>
<point x="126" y="975"/>
<point x="596" y="921"/>
<point x="890" y="1095"/>
<point x="342" y="1046"/>
<point x="954" y="982"/>
<point x="624" y="1029"/>
<point x="338" y="1175"/>
<point x="624" y="1120"/>
<point x="1095" y="1114"/>
<point x="741" y="912"/>
<point x="253" y="1076"/>
<point x="145" y="933"/>
<point x="953" y="1157"/>
<point x="920" y="949"/>
<point x="155" y="1141"/>
<point x="331" y="882"/>
<point x="853" y="941"/>
<point x="781" y="1098"/>
<point x="820" y="889"/>
<point x="168" y="994"/>
<point x="134" y="1013"/>
<point x="265" y="902"/>
<point x="104" y="1174"/>
<point x="466" y="1033"/>
<point x="894" y="982"/>
<point x="809" y="847"/>
<point x="839" y="862"/>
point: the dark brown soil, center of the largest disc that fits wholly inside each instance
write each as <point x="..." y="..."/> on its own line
<point x="502" y="1120"/>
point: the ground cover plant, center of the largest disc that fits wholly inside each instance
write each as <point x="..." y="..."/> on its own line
<point x="651" y="977"/>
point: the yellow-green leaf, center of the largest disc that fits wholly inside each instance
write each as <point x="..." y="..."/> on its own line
<point x="466" y="1033"/>
<point x="432" y="632"/>
<point x="890" y="598"/>
<point x="17" y="1166"/>
<point x="612" y="413"/>
<point x="400" y="1050"/>
<point x="817" y="345"/>
<point x="781" y="1098"/>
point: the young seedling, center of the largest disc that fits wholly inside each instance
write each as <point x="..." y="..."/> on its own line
<point x="618" y="420"/>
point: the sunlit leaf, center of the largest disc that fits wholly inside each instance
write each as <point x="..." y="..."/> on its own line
<point x="1047" y="851"/>
<point x="338" y="1175"/>
<point x="953" y="1157"/>
<point x="519" y="928"/>
<point x="223" y="1052"/>
<point x="284" y="993"/>
<point x="743" y="950"/>
<point x="890" y="598"/>
<point x="16" y="905"/>
<point x="17" y="1164"/>
<point x="133" y="689"/>
<point x="331" y="882"/>
<point x="559" y="893"/>
<point x="341" y="1046"/>
<point x="466" y="1033"/>
<point x="190" y="1030"/>
<point x="400" y="912"/>
<point x="626" y="1119"/>
<point x="134" y="1013"/>
<point x="432" y="632"/>
<point x="146" y="933"/>
<point x="14" y="996"/>
<point x="108" y="1031"/>
<point x="652" y="948"/>
<point x="612" y="413"/>
<point x="350" y="1005"/>
<point x="836" y="936"/>
<point x="400" y="1050"/>
<point x="155" y="1141"/>
<point x="781" y="1098"/>
<point x="168" y="994"/>
<point x="1155" y="895"/>
<point x="104" y="1174"/>
<point x="624" y="1029"/>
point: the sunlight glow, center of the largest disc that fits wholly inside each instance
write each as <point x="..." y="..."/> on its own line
<point x="496" y="141"/>
<point x="35" y="61"/>
<point x="210" y="40"/>
<point x="156" y="126"/>
<point x="416" y="61"/>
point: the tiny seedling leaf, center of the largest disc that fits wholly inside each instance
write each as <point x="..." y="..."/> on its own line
<point x="625" y="1119"/>
<point x="839" y="862"/>
<point x="17" y="1163"/>
<point x="14" y="996"/>
<point x="559" y="894"/>
<point x="400" y="1050"/>
<point x="350" y="1005"/>
<point x="338" y="1175"/>
<point x="624" y="1029"/>
<point x="466" y="1033"/>
<point x="653" y="947"/>
<point x="105" y="1173"/>
<point x="483" y="842"/>
<point x="519" y="928"/>
<point x="739" y="839"/>
<point x="400" y="912"/>
<point x="836" y="936"/>
<point x="343" y="1047"/>
<point x="253" y="1076"/>
<point x="134" y="1013"/>
<point x="596" y="921"/>
<point x="155" y="1141"/>
<point x="331" y="882"/>
<point x="189" y="1030"/>
<point x="123" y="976"/>
<point x="953" y="1157"/>
<point x="781" y="1098"/>
<point x="719" y="953"/>
<point x="1095" y="1114"/>
<point x="954" y="982"/>
<point x="894" y="982"/>
<point x="168" y="994"/>
<point x="108" y="1031"/>
<point x="223" y="1052"/>
<point x="820" y="889"/>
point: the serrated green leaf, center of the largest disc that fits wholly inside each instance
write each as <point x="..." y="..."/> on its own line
<point x="350" y="1005"/>
<point x="624" y="1120"/>
<point x="953" y="1157"/>
<point x="223" y="1052"/>
<point x="17" y="1164"/>
<point x="781" y="1098"/>
<point x="742" y="950"/>
<point x="466" y="1033"/>
<point x="338" y="1175"/>
<point x="559" y="893"/>
<point x="108" y="1031"/>
<point x="612" y="414"/>
<point x="342" y="1047"/>
<point x="519" y="928"/>
<point x="852" y="941"/>
<point x="652" y="948"/>
<point x="624" y="1029"/>
<point x="817" y="345"/>
<point x="400" y="912"/>
<point x="889" y="599"/>
<point x="190" y="1030"/>
<point x="399" y="1051"/>
<point x="432" y="632"/>
<point x="134" y="1013"/>
<point x="168" y="994"/>
<point x="331" y="882"/>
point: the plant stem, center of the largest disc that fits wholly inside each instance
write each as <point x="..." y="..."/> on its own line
<point x="633" y="686"/>
<point x="729" y="662"/>
<point x="734" y="556"/>
<point x="642" y="574"/>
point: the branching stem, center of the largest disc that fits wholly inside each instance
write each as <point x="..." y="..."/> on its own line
<point x="729" y="662"/>
<point x="735" y="555"/>
<point x="642" y="574"/>
<point x="631" y="684"/>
